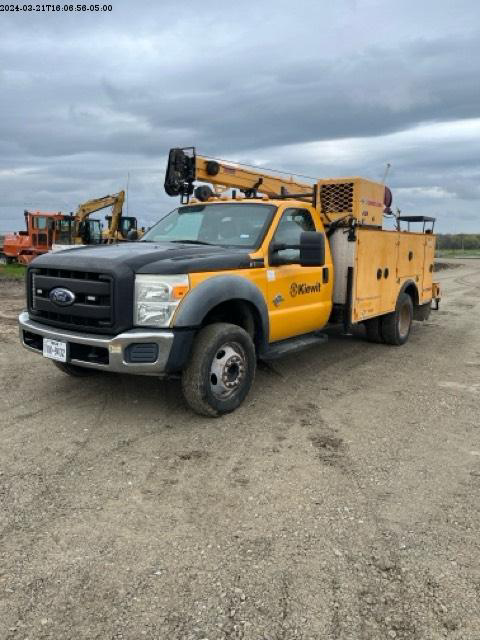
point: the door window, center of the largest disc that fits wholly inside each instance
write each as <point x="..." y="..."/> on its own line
<point x="292" y="224"/>
<point x="94" y="232"/>
<point x="63" y="230"/>
<point x="40" y="222"/>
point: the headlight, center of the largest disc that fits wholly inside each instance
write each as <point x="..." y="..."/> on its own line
<point x="157" y="297"/>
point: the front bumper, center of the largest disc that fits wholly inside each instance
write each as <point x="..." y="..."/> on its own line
<point x="106" y="353"/>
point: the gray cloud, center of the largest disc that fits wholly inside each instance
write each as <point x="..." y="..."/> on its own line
<point x="88" y="98"/>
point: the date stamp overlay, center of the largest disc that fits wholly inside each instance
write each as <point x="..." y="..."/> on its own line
<point x="51" y="8"/>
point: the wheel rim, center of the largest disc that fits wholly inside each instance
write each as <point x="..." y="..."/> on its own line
<point x="228" y="370"/>
<point x="404" y="321"/>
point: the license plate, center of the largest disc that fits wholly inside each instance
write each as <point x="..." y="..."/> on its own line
<point x="55" y="349"/>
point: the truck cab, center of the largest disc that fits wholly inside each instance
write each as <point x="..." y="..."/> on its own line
<point x="261" y="240"/>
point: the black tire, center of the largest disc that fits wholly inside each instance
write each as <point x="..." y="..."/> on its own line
<point x="373" y="328"/>
<point x="396" y="326"/>
<point x="73" y="370"/>
<point x="220" y="371"/>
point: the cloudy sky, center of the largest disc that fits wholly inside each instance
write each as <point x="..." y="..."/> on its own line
<point x="315" y="87"/>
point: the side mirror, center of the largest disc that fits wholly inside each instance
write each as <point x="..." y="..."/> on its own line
<point x="275" y="259"/>
<point x="132" y="235"/>
<point x="312" y="249"/>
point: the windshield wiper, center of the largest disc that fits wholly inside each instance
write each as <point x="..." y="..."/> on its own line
<point x="193" y="242"/>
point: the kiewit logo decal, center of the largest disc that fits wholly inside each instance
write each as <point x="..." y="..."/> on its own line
<point x="299" y="289"/>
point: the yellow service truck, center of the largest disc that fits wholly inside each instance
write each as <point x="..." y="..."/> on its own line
<point x="252" y="267"/>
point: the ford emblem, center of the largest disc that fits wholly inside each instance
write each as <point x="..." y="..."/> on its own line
<point x="62" y="297"/>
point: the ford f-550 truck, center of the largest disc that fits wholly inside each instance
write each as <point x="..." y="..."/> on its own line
<point x="223" y="280"/>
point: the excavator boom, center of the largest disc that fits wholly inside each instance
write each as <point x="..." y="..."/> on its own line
<point x="84" y="210"/>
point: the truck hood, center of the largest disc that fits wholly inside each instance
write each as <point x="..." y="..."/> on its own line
<point x="146" y="257"/>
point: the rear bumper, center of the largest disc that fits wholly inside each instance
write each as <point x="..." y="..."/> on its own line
<point x="106" y="353"/>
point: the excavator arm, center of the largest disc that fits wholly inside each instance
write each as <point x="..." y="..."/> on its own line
<point x="116" y="215"/>
<point x="186" y="167"/>
<point x="84" y="210"/>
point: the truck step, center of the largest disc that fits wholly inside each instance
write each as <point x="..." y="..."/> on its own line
<point x="293" y="345"/>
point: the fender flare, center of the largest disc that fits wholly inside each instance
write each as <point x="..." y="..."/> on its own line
<point x="405" y="286"/>
<point x="212" y="292"/>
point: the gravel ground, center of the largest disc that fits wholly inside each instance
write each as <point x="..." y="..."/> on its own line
<point x="340" y="502"/>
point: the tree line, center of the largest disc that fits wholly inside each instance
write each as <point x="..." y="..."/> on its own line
<point x="458" y="241"/>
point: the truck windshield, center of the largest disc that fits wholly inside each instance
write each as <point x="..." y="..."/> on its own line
<point x="223" y="224"/>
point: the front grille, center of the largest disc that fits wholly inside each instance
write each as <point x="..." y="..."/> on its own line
<point x="337" y="197"/>
<point x="93" y="305"/>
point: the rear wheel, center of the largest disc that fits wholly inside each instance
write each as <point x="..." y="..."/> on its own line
<point x="221" y="370"/>
<point x="396" y="326"/>
<point x="73" y="370"/>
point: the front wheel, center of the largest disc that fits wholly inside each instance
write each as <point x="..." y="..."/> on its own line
<point x="396" y="326"/>
<point x="221" y="370"/>
<point x="3" y="259"/>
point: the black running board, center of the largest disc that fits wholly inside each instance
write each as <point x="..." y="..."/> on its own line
<point x="293" y="345"/>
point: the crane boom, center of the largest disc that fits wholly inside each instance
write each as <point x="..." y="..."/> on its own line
<point x="336" y="199"/>
<point x="185" y="167"/>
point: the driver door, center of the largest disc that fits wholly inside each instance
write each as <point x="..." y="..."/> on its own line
<point x="299" y="298"/>
<point x="39" y="232"/>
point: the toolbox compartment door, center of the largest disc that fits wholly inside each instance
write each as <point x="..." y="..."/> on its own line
<point x="375" y="273"/>
<point x="426" y="290"/>
<point x="411" y="255"/>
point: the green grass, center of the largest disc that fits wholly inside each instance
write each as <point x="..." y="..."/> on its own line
<point x="12" y="271"/>
<point x="457" y="253"/>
